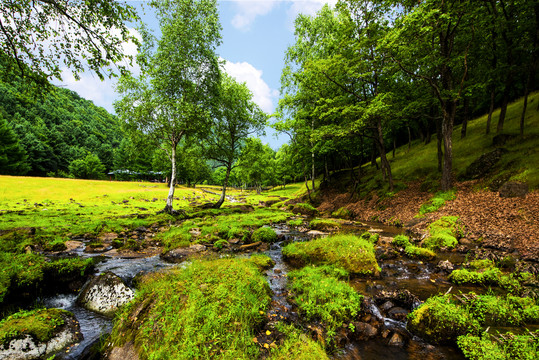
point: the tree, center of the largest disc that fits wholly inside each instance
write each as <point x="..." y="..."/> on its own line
<point x="257" y="164"/>
<point x="179" y="77"/>
<point x="37" y="37"/>
<point x="89" y="167"/>
<point x="236" y="117"/>
<point x="12" y="155"/>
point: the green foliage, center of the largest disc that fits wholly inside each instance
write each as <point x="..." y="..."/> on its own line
<point x="262" y="261"/>
<point x="342" y="213"/>
<point x="295" y="222"/>
<point x="350" y="252"/>
<point x="297" y="346"/>
<point x="486" y="347"/>
<point x="416" y="252"/>
<point x="401" y="241"/>
<point x="264" y="234"/>
<point x="305" y="209"/>
<point x="42" y="324"/>
<point x="90" y="167"/>
<point x="209" y="309"/>
<point x="443" y="233"/>
<point x="504" y="310"/>
<point x="440" y="321"/>
<point x="486" y="277"/>
<point x="324" y="224"/>
<point x="12" y="155"/>
<point x="437" y="201"/>
<point x="372" y="238"/>
<point x="219" y="244"/>
<point x="321" y="296"/>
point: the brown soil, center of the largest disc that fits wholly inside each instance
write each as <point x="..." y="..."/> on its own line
<point x="508" y="224"/>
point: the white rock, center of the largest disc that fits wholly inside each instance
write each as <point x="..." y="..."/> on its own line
<point x="105" y="293"/>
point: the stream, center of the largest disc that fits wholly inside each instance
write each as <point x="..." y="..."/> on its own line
<point x="398" y="273"/>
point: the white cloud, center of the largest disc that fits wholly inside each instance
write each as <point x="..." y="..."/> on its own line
<point x="249" y="10"/>
<point x="263" y="95"/>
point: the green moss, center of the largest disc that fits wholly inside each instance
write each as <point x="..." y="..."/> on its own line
<point x="401" y="241"/>
<point x="304" y="209"/>
<point x="342" y="213"/>
<point x="41" y="324"/>
<point x="440" y="240"/>
<point x="437" y="202"/>
<point x="295" y="222"/>
<point x="443" y="233"/>
<point x="350" y="252"/>
<point x="481" y="264"/>
<point x="372" y="238"/>
<point x="415" y="252"/>
<point x="219" y="244"/>
<point x="297" y="346"/>
<point x="324" y="224"/>
<point x="485" y="277"/>
<point x="440" y="321"/>
<point x="321" y="296"/>
<point x="262" y="261"/>
<point x="264" y="234"/>
<point x="485" y="347"/>
<point x="504" y="310"/>
<point x="210" y="309"/>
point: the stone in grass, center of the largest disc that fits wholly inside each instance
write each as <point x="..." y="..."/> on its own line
<point x="105" y="294"/>
<point x="37" y="334"/>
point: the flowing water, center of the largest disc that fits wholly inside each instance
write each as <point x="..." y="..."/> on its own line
<point x="420" y="278"/>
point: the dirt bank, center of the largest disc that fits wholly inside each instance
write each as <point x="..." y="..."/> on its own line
<point x="508" y="224"/>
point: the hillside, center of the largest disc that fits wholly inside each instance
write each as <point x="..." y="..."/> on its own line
<point x="507" y="225"/>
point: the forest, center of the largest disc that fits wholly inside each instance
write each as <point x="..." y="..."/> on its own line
<point x="400" y="220"/>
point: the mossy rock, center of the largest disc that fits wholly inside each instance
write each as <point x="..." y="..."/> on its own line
<point x="401" y="241"/>
<point x="416" y="252"/>
<point x="324" y="224"/>
<point x="350" y="252"/>
<point x="342" y="213"/>
<point x="264" y="234"/>
<point x="439" y="321"/>
<point x="305" y="209"/>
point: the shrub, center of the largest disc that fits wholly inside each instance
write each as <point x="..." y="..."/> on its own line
<point x="401" y="241"/>
<point x="441" y="322"/>
<point x="350" y="252"/>
<point x="264" y="234"/>
<point x="324" y="224"/>
<point x="321" y="296"/>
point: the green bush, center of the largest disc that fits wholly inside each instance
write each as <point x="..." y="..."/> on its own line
<point x="90" y="167"/>
<point x="350" y="252"/>
<point x="321" y="296"/>
<point x="440" y="321"/>
<point x="264" y="234"/>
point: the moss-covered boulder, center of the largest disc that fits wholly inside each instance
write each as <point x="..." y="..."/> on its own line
<point x="208" y="309"/>
<point x="440" y="321"/>
<point x="350" y="252"/>
<point x="264" y="234"/>
<point x="304" y="209"/>
<point x="324" y="224"/>
<point x="37" y="334"/>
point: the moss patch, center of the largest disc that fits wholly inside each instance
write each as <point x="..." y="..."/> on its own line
<point x="209" y="309"/>
<point x="444" y="233"/>
<point x="350" y="252"/>
<point x="41" y="324"/>
<point x="324" y="224"/>
<point x="486" y="347"/>
<point x="264" y="234"/>
<point x="297" y="346"/>
<point x="304" y="209"/>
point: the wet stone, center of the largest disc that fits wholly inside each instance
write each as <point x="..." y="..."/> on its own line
<point x="387" y="305"/>
<point x="364" y="331"/>
<point x="396" y="340"/>
<point x="398" y="313"/>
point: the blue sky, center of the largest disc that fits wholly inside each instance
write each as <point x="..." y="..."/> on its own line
<point x="255" y="37"/>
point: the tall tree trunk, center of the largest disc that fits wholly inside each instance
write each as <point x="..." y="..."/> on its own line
<point x="373" y="155"/>
<point x="307" y="186"/>
<point x="447" y="130"/>
<point x="439" y="140"/>
<point x="168" y="207"/>
<point x="394" y="146"/>
<point x="491" y="109"/>
<point x="465" y="117"/>
<point x="218" y="204"/>
<point x="505" y="103"/>
<point x="312" y="168"/>
<point x="533" y="67"/>
<point x="409" y="137"/>
<point x="386" y="168"/>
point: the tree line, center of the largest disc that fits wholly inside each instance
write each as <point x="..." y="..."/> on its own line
<point x="367" y="76"/>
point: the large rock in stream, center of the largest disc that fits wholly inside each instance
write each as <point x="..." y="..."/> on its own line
<point x="104" y="294"/>
<point x="24" y="344"/>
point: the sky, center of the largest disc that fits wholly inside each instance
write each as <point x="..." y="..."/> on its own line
<point x="255" y="36"/>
